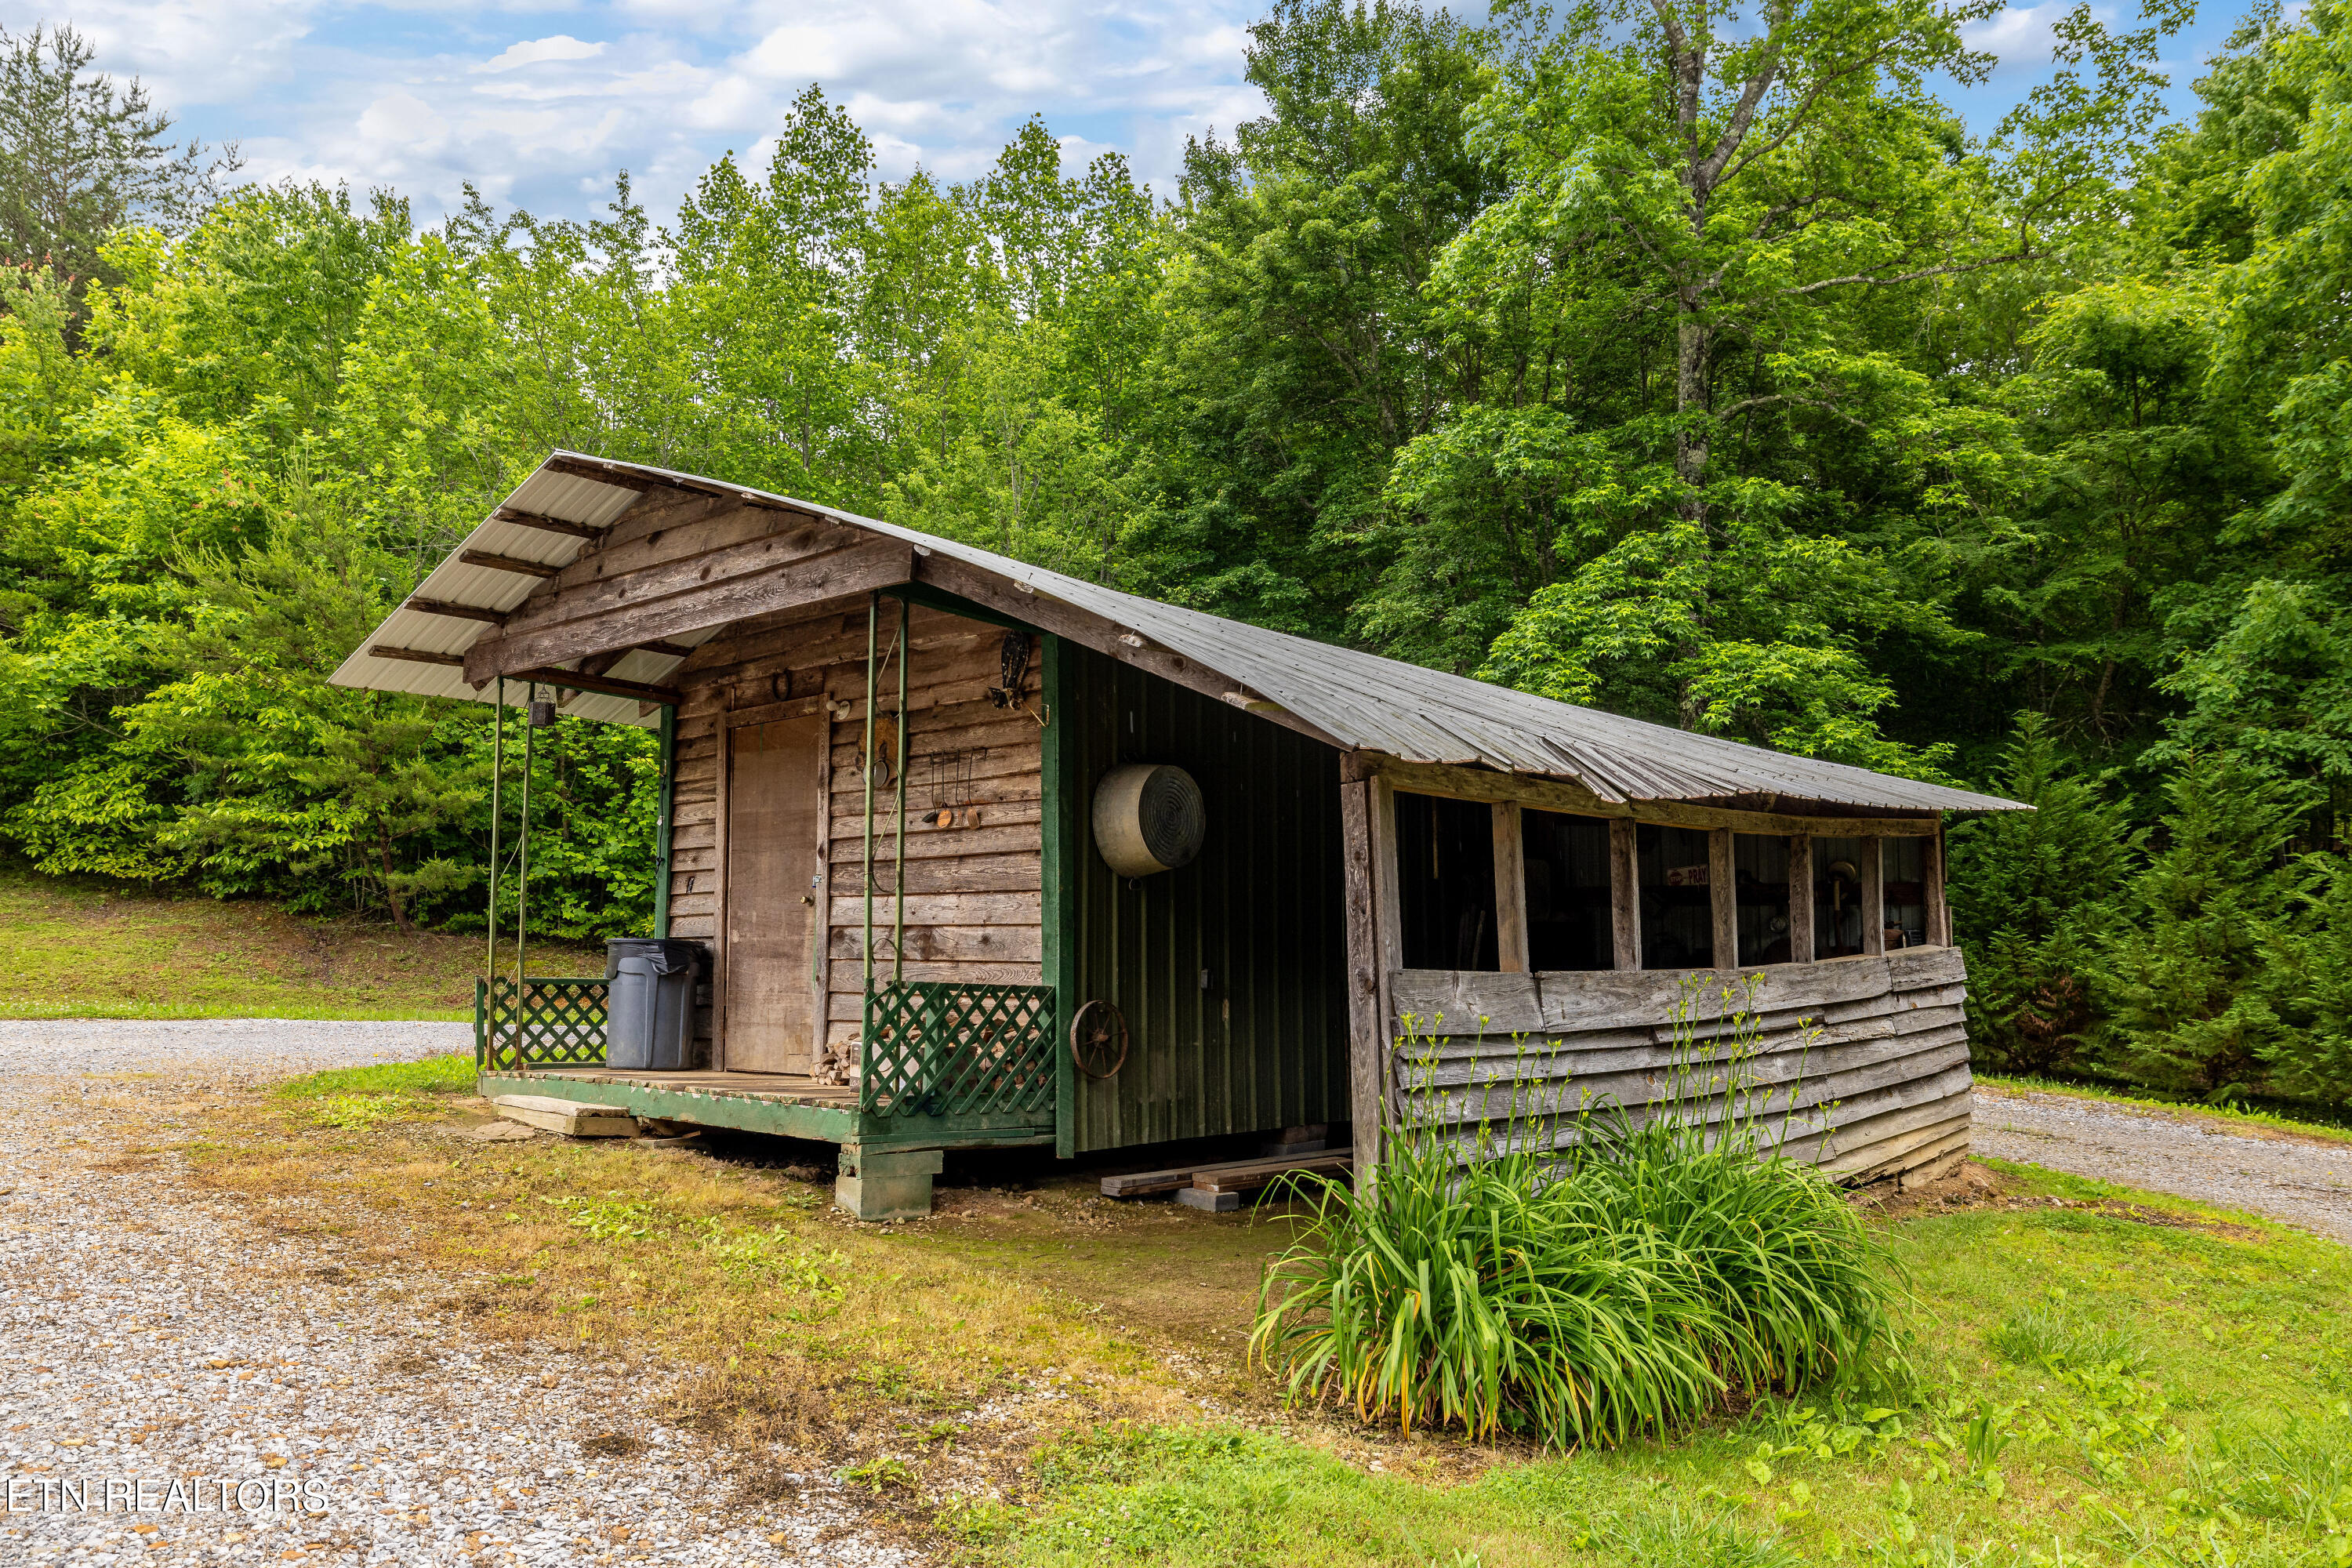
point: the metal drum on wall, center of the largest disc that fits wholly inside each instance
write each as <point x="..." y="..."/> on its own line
<point x="1148" y="817"/>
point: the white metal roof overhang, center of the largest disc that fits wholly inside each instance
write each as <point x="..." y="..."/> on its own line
<point x="1360" y="699"/>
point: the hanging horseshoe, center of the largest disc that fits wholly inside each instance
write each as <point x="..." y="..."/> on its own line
<point x="1098" y="1040"/>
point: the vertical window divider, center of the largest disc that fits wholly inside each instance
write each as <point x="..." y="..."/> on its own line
<point x="1510" y="888"/>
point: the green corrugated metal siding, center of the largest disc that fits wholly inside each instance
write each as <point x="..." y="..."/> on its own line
<point x="1265" y="1045"/>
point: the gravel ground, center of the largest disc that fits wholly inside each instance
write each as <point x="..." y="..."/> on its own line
<point x="155" y="1344"/>
<point x="2304" y="1182"/>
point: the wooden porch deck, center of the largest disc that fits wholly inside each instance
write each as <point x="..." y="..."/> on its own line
<point x="786" y="1105"/>
<point x="798" y="1087"/>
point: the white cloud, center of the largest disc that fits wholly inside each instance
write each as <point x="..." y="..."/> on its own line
<point x="423" y="95"/>
<point x="561" y="47"/>
<point x="2022" y="36"/>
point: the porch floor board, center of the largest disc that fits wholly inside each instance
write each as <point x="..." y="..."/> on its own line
<point x="797" y="1088"/>
<point x="791" y="1105"/>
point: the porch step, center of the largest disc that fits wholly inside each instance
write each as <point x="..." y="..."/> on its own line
<point x="1199" y="1186"/>
<point x="567" y="1116"/>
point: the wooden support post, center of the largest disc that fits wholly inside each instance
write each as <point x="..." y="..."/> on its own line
<point x="1873" y="895"/>
<point x="1624" y="895"/>
<point x="725" y="737"/>
<point x="665" y="819"/>
<point x="1510" y="890"/>
<point x="1939" y="915"/>
<point x="1801" y="897"/>
<point x="1368" y="1029"/>
<point x="1723" y="897"/>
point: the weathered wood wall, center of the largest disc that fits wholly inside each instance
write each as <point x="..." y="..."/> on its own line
<point x="1866" y="1058"/>
<point x="972" y="887"/>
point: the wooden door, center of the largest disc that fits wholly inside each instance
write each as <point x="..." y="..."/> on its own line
<point x="772" y="885"/>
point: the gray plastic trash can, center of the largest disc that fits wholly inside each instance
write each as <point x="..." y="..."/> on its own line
<point x="650" y="1002"/>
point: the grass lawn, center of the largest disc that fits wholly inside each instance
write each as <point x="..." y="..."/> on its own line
<point x="84" y="948"/>
<point x="1037" y="1375"/>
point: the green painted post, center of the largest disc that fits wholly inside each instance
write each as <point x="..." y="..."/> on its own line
<point x="898" y="888"/>
<point x="666" y="823"/>
<point x="497" y="775"/>
<point x="1059" y="935"/>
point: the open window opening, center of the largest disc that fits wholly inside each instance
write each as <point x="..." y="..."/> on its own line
<point x="1760" y="866"/>
<point x="1567" y="890"/>
<point x="1445" y="883"/>
<point x="1677" y="905"/>
<point x="1907" y="892"/>
<point x="1837" y="896"/>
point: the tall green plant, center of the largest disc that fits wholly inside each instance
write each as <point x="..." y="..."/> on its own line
<point x="1575" y="1274"/>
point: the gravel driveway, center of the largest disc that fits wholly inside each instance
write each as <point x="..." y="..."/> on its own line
<point x="2305" y="1182"/>
<point x="205" y="1378"/>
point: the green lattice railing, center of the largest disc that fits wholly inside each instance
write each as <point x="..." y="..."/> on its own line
<point x="939" y="1047"/>
<point x="539" y="1023"/>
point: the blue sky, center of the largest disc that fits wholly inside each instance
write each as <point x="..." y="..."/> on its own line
<point x="540" y="101"/>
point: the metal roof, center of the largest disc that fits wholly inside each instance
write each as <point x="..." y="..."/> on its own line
<point x="1360" y="699"/>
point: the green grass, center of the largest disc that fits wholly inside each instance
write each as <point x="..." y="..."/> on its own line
<point x="361" y="1100"/>
<point x="2306" y="1123"/>
<point x="452" y="1074"/>
<point x="2097" y="1390"/>
<point x="82" y="948"/>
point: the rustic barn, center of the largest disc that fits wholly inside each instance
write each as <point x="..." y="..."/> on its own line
<point x="985" y="854"/>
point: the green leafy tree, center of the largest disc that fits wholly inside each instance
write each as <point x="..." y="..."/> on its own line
<point x="2183" y="983"/>
<point x="2307" y="977"/>
<point x="2037" y="898"/>
<point x="81" y="157"/>
<point x="1299" y="350"/>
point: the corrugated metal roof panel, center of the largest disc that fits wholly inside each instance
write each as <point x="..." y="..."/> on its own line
<point x="1359" y="699"/>
<point x="457" y="581"/>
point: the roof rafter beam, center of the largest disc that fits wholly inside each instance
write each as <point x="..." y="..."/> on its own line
<point x="546" y="524"/>
<point x="416" y="655"/>
<point x="603" y="685"/>
<point x="805" y="581"/>
<point x="508" y="564"/>
<point x="456" y="612"/>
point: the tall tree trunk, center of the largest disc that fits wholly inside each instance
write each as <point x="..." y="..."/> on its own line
<point x="390" y="886"/>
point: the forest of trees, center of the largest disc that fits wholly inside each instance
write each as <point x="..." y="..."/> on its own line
<point x="1702" y="368"/>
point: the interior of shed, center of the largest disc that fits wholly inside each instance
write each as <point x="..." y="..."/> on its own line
<point x="1503" y="886"/>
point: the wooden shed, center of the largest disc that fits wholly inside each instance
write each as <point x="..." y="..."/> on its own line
<point x="894" y="766"/>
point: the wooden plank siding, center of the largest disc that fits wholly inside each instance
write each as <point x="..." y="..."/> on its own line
<point x="974" y="888"/>
<point x="1866" y="1057"/>
<point x="1263" y="1042"/>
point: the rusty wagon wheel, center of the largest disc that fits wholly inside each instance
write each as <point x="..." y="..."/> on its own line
<point x="1098" y="1040"/>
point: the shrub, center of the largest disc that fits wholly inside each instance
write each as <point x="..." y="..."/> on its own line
<point x="1595" y="1280"/>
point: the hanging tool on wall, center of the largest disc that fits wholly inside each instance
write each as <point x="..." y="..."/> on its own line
<point x="1013" y="674"/>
